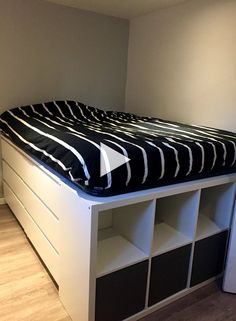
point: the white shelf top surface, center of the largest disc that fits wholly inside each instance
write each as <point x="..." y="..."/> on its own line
<point x="114" y="253"/>
<point x="206" y="227"/>
<point x="167" y="238"/>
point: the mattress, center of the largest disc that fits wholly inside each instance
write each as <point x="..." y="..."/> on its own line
<point x="67" y="136"/>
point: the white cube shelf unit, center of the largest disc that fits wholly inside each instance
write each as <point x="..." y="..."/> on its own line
<point x="139" y="238"/>
<point x="112" y="251"/>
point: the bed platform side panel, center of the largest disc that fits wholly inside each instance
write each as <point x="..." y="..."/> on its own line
<point x="79" y="222"/>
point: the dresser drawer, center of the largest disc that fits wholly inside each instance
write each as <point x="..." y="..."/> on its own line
<point x="41" y="215"/>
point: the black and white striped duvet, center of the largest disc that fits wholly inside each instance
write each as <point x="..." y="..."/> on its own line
<point x="66" y="135"/>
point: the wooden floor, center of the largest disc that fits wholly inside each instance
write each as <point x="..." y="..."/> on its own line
<point x="26" y="291"/>
<point x="205" y="304"/>
<point x="28" y="294"/>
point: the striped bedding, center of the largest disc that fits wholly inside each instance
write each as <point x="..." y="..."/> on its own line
<point x="66" y="136"/>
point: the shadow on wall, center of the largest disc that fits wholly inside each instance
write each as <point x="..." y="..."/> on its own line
<point x="181" y="63"/>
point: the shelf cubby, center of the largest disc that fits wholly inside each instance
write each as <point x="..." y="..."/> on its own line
<point x="175" y="221"/>
<point x="124" y="236"/>
<point x="216" y="204"/>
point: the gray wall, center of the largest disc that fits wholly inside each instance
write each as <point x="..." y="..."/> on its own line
<point x="48" y="51"/>
<point x="182" y="66"/>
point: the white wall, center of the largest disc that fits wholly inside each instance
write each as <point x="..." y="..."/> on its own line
<point x="48" y="51"/>
<point x="182" y="63"/>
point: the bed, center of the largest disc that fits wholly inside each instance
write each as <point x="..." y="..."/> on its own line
<point x="112" y="242"/>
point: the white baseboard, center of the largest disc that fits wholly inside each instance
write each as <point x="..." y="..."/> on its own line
<point x="2" y="201"/>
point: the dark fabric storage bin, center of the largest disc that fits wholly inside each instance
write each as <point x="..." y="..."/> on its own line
<point x="208" y="259"/>
<point x="122" y="293"/>
<point x="169" y="273"/>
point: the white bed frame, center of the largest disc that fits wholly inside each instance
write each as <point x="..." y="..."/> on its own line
<point x="81" y="238"/>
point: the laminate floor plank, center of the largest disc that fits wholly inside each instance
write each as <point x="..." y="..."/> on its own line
<point x="206" y="304"/>
<point x="26" y="291"/>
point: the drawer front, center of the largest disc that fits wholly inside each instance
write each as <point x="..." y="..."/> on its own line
<point x="42" y="216"/>
<point x="13" y="203"/>
<point x="41" y="244"/>
<point x="169" y="273"/>
<point x="208" y="259"/>
<point x="122" y="293"/>
<point x="33" y="176"/>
